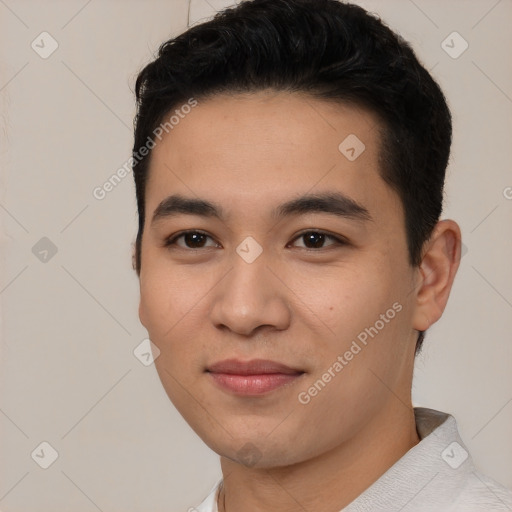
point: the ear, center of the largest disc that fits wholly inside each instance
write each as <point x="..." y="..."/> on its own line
<point x="440" y="262"/>
<point x="142" y="316"/>
<point x="134" y="257"/>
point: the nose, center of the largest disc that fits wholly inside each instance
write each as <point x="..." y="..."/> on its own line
<point x="250" y="296"/>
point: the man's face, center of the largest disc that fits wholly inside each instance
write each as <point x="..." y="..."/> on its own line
<point x="252" y="285"/>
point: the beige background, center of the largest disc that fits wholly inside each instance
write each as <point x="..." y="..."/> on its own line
<point x="69" y="325"/>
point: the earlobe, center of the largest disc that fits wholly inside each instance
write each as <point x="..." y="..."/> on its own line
<point x="437" y="272"/>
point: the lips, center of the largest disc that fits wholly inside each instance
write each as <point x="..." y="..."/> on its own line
<point x="253" y="377"/>
<point x="253" y="367"/>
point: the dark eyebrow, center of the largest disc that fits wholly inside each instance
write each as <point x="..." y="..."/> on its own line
<point x="178" y="204"/>
<point x="334" y="203"/>
<point x="328" y="202"/>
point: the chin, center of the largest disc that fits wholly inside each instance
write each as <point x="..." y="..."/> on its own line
<point x="255" y="452"/>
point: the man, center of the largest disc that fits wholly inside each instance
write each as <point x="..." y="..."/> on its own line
<point x="291" y="157"/>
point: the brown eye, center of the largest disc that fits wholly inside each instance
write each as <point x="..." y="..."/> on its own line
<point x="191" y="239"/>
<point x="316" y="239"/>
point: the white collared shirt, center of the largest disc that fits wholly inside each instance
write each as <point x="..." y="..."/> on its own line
<point x="436" y="475"/>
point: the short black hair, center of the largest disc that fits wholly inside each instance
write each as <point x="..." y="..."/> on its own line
<point x="332" y="50"/>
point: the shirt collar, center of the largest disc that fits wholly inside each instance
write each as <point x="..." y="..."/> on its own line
<point x="426" y="477"/>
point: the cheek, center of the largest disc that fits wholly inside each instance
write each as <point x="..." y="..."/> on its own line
<point x="367" y="316"/>
<point x="345" y="301"/>
<point x="167" y="297"/>
<point x="170" y="309"/>
<point x="173" y="304"/>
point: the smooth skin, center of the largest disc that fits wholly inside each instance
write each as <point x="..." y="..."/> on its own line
<point x="299" y="303"/>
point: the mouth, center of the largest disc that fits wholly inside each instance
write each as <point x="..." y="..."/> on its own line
<point x="252" y="378"/>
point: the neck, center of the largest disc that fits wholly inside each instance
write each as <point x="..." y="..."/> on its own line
<point x="329" y="481"/>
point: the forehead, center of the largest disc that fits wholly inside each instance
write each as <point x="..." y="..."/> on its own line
<point x="251" y="150"/>
<point x="290" y="123"/>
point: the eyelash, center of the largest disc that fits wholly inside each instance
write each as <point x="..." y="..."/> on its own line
<point x="171" y="241"/>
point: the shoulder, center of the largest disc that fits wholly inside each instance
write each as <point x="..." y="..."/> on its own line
<point x="482" y="493"/>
